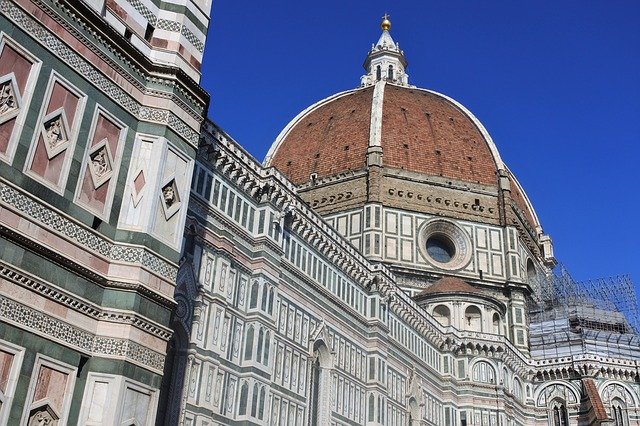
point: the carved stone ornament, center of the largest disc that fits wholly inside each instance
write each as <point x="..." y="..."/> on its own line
<point x="100" y="163"/>
<point x="10" y="101"/>
<point x="170" y="198"/>
<point x="55" y="132"/>
<point x="44" y="415"/>
<point x="9" y="97"/>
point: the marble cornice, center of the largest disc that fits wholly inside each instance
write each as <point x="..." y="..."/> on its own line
<point x="65" y="227"/>
<point x="81" y="305"/>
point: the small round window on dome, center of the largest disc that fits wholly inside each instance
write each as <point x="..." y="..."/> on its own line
<point x="440" y="248"/>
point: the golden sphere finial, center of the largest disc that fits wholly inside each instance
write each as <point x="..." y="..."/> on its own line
<point x="386" y="23"/>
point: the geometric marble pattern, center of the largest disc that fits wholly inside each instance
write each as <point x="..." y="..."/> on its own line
<point x="84" y="237"/>
<point x="88" y="71"/>
<point x="41" y="323"/>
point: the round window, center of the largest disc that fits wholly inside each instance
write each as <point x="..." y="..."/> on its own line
<point x="444" y="244"/>
<point x="440" y="248"/>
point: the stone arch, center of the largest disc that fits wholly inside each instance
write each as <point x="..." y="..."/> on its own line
<point x="483" y="371"/>
<point x="556" y="389"/>
<point x="320" y="384"/>
<point x="611" y="389"/>
<point x="442" y="314"/>
<point x="473" y="318"/>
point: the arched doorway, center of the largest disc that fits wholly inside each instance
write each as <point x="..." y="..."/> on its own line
<point x="319" y="385"/>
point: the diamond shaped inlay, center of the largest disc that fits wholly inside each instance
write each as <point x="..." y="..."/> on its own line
<point x="55" y="132"/>
<point x="170" y="198"/>
<point x="100" y="163"/>
<point x="139" y="183"/>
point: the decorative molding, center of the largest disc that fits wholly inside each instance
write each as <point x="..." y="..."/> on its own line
<point x="94" y="76"/>
<point x="83" y="306"/>
<point x="82" y="340"/>
<point x="80" y="235"/>
<point x="194" y="109"/>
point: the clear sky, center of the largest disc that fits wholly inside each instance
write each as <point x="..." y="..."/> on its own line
<point x="556" y="84"/>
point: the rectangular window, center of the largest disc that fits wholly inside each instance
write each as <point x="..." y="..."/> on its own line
<point x="518" y="316"/>
<point x="251" y="214"/>
<point x="216" y="193"/>
<point x="232" y="198"/>
<point x="223" y="198"/>
<point x="207" y="188"/>
<point x="200" y="183"/>
<point x="238" y="209"/>
<point x="261" y="222"/>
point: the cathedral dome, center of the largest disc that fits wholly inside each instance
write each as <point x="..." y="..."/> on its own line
<point x="388" y="143"/>
<point x="417" y="130"/>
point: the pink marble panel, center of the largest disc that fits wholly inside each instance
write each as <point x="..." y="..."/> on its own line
<point x="6" y="360"/>
<point x="51" y="384"/>
<point x="12" y="61"/>
<point x="96" y="198"/>
<point x="48" y="169"/>
<point x="62" y="97"/>
<point x="5" y="133"/>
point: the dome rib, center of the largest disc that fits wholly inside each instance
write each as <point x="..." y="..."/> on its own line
<point x="327" y="138"/>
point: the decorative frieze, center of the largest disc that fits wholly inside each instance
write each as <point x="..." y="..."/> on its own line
<point x="82" y="340"/>
<point x="90" y="240"/>
<point x="81" y="305"/>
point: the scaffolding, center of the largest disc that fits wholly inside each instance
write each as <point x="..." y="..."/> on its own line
<point x="599" y="316"/>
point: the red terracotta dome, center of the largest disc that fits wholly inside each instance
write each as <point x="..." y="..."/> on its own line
<point x="391" y="143"/>
<point x="418" y="130"/>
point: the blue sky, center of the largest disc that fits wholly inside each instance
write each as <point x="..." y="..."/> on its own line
<point x="557" y="85"/>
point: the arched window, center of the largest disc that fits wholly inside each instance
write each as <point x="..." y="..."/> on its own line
<point x="254" y="400"/>
<point x="259" y="349"/>
<point x="265" y="352"/>
<point x="517" y="389"/>
<point x="320" y="385"/>
<point x="253" y="303"/>
<point x="619" y="413"/>
<point x="244" y="395"/>
<point x="248" y="348"/>
<point x="378" y="73"/>
<point x="261" y="403"/>
<point x="483" y="372"/>
<point x="390" y="73"/>
<point x="263" y="304"/>
<point x="442" y="314"/>
<point x="531" y="271"/>
<point x="505" y="379"/>
<point x="558" y="413"/>
<point x="473" y="318"/>
<point x="496" y="323"/>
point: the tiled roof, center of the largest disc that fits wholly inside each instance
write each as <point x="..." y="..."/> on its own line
<point x="450" y="285"/>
